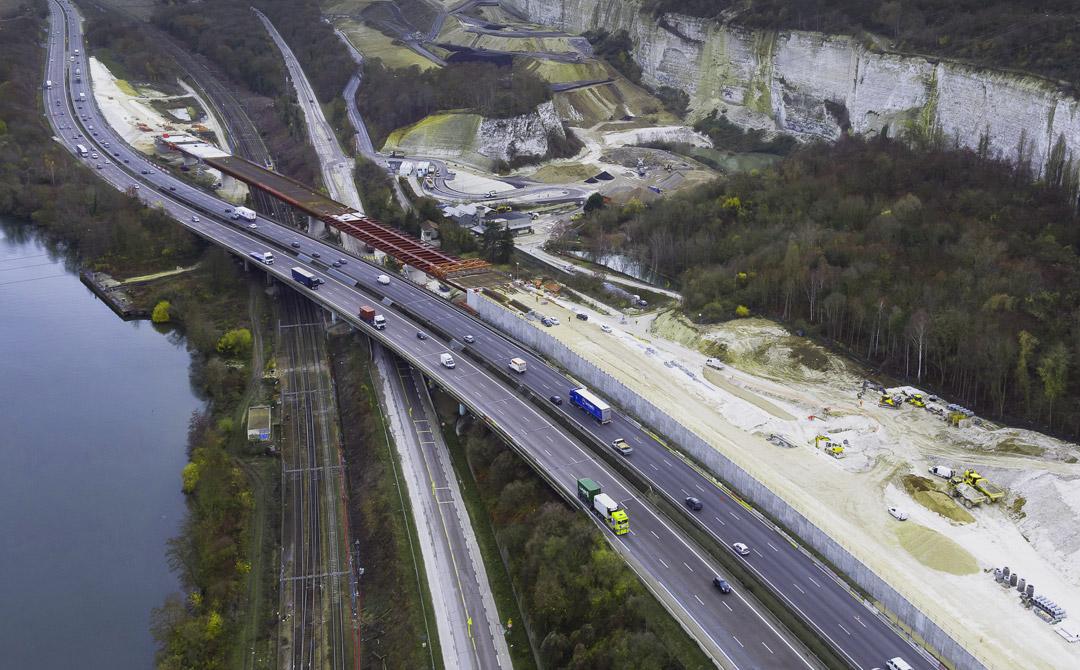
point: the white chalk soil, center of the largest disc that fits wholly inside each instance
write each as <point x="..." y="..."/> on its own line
<point x="777" y="383"/>
<point x="135" y="120"/>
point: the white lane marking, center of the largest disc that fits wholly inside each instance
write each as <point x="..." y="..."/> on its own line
<point x="699" y="488"/>
<point x="815" y="581"/>
<point x="758" y="553"/>
<point x="687" y="566"/>
<point x="698" y="599"/>
<point x="844" y="629"/>
<point x="662" y="563"/>
<point x="737" y="640"/>
<point x="667" y="462"/>
<point x="734" y="515"/>
<point x="766" y="646"/>
<point x="548" y="453"/>
<point x="728" y="607"/>
<point x="771" y="546"/>
<point x="800" y="590"/>
<point x="861" y="622"/>
<point x="654" y="534"/>
<point x="720" y="520"/>
<point x="654" y="467"/>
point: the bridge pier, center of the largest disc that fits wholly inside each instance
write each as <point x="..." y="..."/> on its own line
<point x="316" y="228"/>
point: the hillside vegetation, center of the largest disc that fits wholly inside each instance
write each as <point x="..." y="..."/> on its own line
<point x="945" y="268"/>
<point x="1039" y="36"/>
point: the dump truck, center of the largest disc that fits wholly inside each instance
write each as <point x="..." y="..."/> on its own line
<point x="517" y="365"/>
<point x="594" y="406"/>
<point x="244" y="213"/>
<point x="983" y="485"/>
<point x="306" y="278"/>
<point x="967" y="494"/>
<point x="602" y="505"/>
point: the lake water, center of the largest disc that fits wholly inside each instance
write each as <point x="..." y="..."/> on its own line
<point x="93" y="421"/>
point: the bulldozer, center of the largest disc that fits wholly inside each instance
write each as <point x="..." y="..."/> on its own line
<point x="829" y="447"/>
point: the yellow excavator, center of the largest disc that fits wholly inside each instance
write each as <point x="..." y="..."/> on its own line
<point x="829" y="447"/>
<point x="888" y="401"/>
<point x="983" y="485"/>
<point x="915" y="399"/>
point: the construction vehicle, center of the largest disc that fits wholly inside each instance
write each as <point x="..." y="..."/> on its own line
<point x="892" y="402"/>
<point x="967" y="494"/>
<point x="829" y="447"/>
<point x="915" y="399"/>
<point x="983" y="485"/>
<point x="603" y="506"/>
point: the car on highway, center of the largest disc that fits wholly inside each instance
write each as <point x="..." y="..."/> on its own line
<point x="469" y="339"/>
<point x="142" y="171"/>
<point x="547" y="321"/>
<point x="621" y="447"/>
<point x="898" y="514"/>
<point x="556" y="400"/>
<point x="342" y="261"/>
<point x="255" y="226"/>
<point x="447" y="360"/>
<point x="721" y="585"/>
<point x="582" y="316"/>
<point x="605" y="328"/>
<point x="554" y="320"/>
<point x="741" y="549"/>
<point x="421" y="335"/>
<point x="693" y="503"/>
<point x="100" y="166"/>
<point x="384" y="280"/>
<point x="194" y="219"/>
<point x="336" y="264"/>
<point x="714" y="364"/>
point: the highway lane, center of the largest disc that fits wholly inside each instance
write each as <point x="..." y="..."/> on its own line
<point x="653" y="544"/>
<point x="786" y="570"/>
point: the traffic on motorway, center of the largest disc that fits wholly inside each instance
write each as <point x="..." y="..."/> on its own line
<point x="733" y="624"/>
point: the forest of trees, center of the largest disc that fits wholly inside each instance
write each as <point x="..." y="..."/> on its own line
<point x="1038" y="36"/>
<point x="942" y="267"/>
<point x="392" y="98"/>
<point x="586" y="610"/>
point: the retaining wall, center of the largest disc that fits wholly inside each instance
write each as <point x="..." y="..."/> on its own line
<point x="743" y="483"/>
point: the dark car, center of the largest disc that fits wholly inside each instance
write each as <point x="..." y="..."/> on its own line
<point x="336" y="264"/>
<point x="421" y="335"/>
<point x="172" y="188"/>
<point x="315" y="254"/>
<point x="582" y="316"/>
<point x="555" y="400"/>
<point x="694" y="504"/>
<point x="295" y="245"/>
<point x="721" y="585"/>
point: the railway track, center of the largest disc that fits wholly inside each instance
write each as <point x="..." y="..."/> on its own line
<point x="315" y="624"/>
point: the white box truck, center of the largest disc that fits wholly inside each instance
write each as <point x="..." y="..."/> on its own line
<point x="244" y="213"/>
<point x="517" y="365"/>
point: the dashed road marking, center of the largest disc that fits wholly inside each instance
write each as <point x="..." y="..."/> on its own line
<point x="728" y="607"/>
<point x="654" y="534"/>
<point x="654" y="467"/>
<point x="861" y="622"/>
<point x="800" y="589"/>
<point x="771" y="546"/>
<point x="662" y="563"/>
<point x="766" y="646"/>
<point x="687" y="566"/>
<point x="737" y="640"/>
<point x="758" y="553"/>
<point x="699" y="488"/>
<point x="844" y="629"/>
<point x="734" y="515"/>
<point x="698" y="599"/>
<point x="720" y="520"/>
<point x="815" y="581"/>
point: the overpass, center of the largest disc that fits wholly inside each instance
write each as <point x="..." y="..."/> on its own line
<point x="404" y="248"/>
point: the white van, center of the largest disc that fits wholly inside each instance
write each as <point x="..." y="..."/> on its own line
<point x="447" y="360"/>
<point x="898" y="664"/>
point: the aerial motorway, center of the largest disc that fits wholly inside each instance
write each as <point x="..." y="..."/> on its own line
<point x="424" y="328"/>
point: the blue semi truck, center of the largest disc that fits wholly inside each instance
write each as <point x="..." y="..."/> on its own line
<point x="594" y="406"/>
<point x="306" y="278"/>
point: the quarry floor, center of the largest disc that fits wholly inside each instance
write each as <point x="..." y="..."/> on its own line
<point x="778" y="383"/>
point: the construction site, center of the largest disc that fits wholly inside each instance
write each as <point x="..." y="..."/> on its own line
<point x="949" y="506"/>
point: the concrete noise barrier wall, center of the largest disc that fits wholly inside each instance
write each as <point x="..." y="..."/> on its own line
<point x="730" y="473"/>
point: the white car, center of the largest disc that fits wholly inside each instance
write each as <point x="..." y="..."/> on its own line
<point x="714" y="364"/>
<point x="194" y="219"/>
<point x="605" y="328"/>
<point x="741" y="549"/>
<point x="253" y="226"/>
<point x="384" y="279"/>
<point x="898" y="513"/>
<point x="554" y="320"/>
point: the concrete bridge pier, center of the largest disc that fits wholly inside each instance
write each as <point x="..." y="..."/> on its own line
<point x="316" y="228"/>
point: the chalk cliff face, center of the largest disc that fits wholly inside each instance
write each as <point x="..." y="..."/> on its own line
<point x="519" y="136"/>
<point x="819" y="85"/>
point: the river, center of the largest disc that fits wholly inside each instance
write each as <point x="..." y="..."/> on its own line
<point x="93" y="423"/>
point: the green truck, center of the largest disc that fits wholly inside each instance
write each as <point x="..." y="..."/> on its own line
<point x="603" y="506"/>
